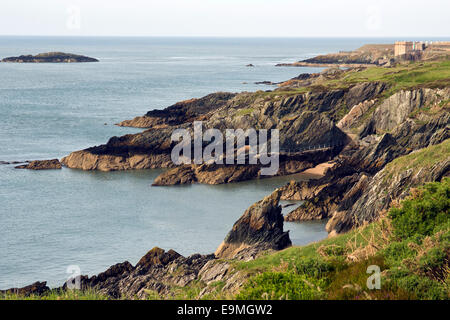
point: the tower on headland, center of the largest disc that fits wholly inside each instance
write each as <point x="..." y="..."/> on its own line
<point x="409" y="50"/>
<point x="407" y="47"/>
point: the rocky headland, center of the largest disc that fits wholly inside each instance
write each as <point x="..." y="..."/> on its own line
<point x="366" y="118"/>
<point x="50" y="57"/>
<point x="367" y="55"/>
<point x="386" y="129"/>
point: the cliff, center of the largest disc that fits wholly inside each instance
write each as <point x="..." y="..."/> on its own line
<point x="368" y="116"/>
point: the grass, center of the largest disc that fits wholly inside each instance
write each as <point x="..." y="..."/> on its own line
<point x="59" y="295"/>
<point x="403" y="77"/>
<point x="410" y="245"/>
<point x="422" y="159"/>
<point x="244" y="112"/>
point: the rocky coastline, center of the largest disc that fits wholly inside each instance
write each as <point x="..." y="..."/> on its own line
<point x="159" y="272"/>
<point x="369" y="123"/>
<point x="385" y="134"/>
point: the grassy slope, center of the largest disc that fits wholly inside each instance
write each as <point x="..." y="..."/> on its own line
<point x="414" y="264"/>
<point x="414" y="75"/>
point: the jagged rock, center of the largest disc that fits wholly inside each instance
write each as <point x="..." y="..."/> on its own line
<point x="304" y="120"/>
<point x="158" y="271"/>
<point x="180" y="175"/>
<point x="219" y="174"/>
<point x="157" y="256"/>
<point x="292" y="191"/>
<point x="355" y="114"/>
<point x="220" y="270"/>
<point x="376" y="194"/>
<point x="41" y="165"/>
<point x="181" y="112"/>
<point x="37" y="288"/>
<point x="261" y="226"/>
<point x="399" y="107"/>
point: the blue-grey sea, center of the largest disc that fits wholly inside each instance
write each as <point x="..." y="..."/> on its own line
<point x="52" y="219"/>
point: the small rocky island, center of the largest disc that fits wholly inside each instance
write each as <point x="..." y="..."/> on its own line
<point x="50" y="57"/>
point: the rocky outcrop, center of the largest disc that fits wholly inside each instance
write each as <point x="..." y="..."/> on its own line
<point x="403" y="105"/>
<point x="422" y="121"/>
<point x="299" y="125"/>
<point x="87" y="160"/>
<point x="160" y="273"/>
<point x="50" y="57"/>
<point x="355" y="114"/>
<point x="41" y="165"/>
<point x="147" y="150"/>
<point x="37" y="288"/>
<point x="364" y="56"/>
<point x="261" y="227"/>
<point x="219" y="174"/>
<point x="321" y="197"/>
<point x="181" y="112"/>
<point x="373" y="195"/>
<point x="157" y="256"/>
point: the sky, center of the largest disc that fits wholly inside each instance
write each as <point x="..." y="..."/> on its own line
<point x="227" y="18"/>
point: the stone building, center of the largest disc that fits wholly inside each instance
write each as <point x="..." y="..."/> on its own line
<point x="407" y="47"/>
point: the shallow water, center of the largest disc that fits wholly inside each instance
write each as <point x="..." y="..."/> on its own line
<point x="52" y="219"/>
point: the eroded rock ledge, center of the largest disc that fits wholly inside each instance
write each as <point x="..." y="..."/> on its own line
<point x="41" y="165"/>
<point x="181" y="112"/>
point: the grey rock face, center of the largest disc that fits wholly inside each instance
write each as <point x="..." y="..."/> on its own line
<point x="261" y="226"/>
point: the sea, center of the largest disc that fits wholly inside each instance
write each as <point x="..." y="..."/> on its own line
<point x="51" y="221"/>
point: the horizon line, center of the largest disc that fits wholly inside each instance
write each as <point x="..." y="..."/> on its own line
<point x="222" y="36"/>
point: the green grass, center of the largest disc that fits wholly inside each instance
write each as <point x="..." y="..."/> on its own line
<point x="412" y="75"/>
<point x="244" y="112"/>
<point x="408" y="76"/>
<point x="423" y="159"/>
<point x="59" y="295"/>
<point x="411" y="246"/>
<point x="422" y="214"/>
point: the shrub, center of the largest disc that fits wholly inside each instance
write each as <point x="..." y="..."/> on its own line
<point x="422" y="213"/>
<point x="396" y="252"/>
<point x="423" y="287"/>
<point x="313" y="267"/>
<point x="281" y="286"/>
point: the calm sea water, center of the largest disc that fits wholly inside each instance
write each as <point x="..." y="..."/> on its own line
<point x="52" y="219"/>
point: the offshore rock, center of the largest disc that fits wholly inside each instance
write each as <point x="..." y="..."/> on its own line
<point x="41" y="165"/>
<point x="50" y="57"/>
<point x="261" y="227"/>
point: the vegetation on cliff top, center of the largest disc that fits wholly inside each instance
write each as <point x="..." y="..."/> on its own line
<point x="422" y="159"/>
<point x="411" y="245"/>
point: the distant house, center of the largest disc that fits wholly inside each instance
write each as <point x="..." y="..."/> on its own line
<point x="402" y="48"/>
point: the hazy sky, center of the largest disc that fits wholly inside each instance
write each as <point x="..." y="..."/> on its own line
<point x="290" y="18"/>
